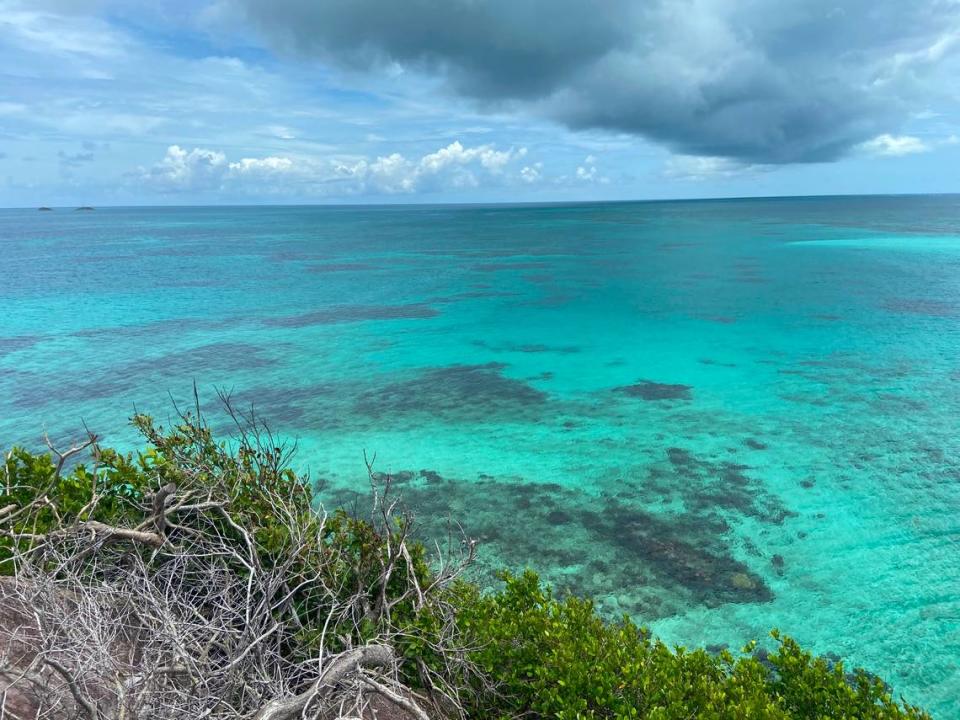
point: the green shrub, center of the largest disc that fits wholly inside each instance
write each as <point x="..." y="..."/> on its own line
<point x="25" y="477"/>
<point x="556" y="658"/>
<point x="539" y="656"/>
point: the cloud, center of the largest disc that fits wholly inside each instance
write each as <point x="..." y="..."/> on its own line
<point x="260" y="167"/>
<point x="180" y="170"/>
<point x="75" y="159"/>
<point x="59" y="34"/>
<point x="528" y="58"/>
<point x="280" y="132"/>
<point x="752" y="81"/>
<point x="451" y="167"/>
<point x="894" y="145"/>
<point x="587" y="172"/>
<point x="698" y="168"/>
<point x="532" y="173"/>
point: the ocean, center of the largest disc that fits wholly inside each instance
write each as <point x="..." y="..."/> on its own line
<point x="718" y="417"/>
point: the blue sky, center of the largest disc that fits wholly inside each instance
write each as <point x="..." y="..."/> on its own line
<point x="316" y="101"/>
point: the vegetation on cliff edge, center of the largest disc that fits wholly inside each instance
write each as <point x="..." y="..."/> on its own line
<point x="197" y="578"/>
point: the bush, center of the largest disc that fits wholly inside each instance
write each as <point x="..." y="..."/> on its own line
<point x="348" y="582"/>
<point x="208" y="563"/>
<point x="557" y="658"/>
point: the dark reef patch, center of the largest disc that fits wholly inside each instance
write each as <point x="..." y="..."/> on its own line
<point x="228" y="356"/>
<point x="527" y="347"/>
<point x="654" y="391"/>
<point x="340" y="267"/>
<point x="21" y="342"/>
<point x="501" y="266"/>
<point x="197" y="283"/>
<point x="716" y="363"/>
<point x="612" y="545"/>
<point x="105" y="258"/>
<point x="680" y="458"/>
<point x="354" y="314"/>
<point x="606" y="547"/>
<point x="705" y="486"/>
<point x="170" y="326"/>
<point x="894" y="404"/>
<point x="477" y="294"/>
<point x="284" y="256"/>
<point x="540" y="278"/>
<point x="678" y="245"/>
<point x="464" y="393"/>
<point x="295" y="405"/>
<point x="708" y="572"/>
<point x="180" y="367"/>
<point x="551" y="300"/>
<point x="558" y="517"/>
<point x="718" y="319"/>
<point x="431" y="476"/>
<point x="920" y="306"/>
<point x="755" y="444"/>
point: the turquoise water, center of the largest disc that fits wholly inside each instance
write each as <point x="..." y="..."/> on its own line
<point x="717" y="416"/>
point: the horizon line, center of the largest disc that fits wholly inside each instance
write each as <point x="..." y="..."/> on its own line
<point x="491" y="203"/>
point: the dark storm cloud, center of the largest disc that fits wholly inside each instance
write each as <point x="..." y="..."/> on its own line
<point x="490" y="49"/>
<point x="756" y="81"/>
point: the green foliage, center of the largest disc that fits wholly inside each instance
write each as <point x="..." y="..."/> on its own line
<point x="346" y="553"/>
<point x="26" y="477"/>
<point x="559" y="659"/>
<point x="541" y="656"/>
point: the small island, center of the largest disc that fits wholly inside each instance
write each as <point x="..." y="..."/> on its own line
<point x="44" y="208"/>
<point x="84" y="208"/>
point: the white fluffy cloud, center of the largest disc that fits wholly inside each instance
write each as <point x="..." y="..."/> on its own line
<point x="261" y="166"/>
<point x="895" y="145"/>
<point x="182" y="170"/>
<point x="452" y="167"/>
<point x="588" y="172"/>
<point x="698" y="168"/>
<point x="532" y="173"/>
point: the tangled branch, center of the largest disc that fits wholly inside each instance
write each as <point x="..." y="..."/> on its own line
<point x="200" y="582"/>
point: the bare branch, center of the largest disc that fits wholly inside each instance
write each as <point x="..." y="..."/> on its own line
<point x="349" y="663"/>
<point x="82" y="700"/>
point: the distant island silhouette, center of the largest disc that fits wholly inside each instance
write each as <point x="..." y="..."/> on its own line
<point x="45" y="208"/>
<point x="84" y="207"/>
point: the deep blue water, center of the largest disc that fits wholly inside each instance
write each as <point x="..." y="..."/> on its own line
<point x="717" y="416"/>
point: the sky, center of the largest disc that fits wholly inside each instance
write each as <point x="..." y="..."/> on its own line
<point x="182" y="102"/>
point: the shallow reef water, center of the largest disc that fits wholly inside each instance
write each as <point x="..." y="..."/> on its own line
<point x="718" y="417"/>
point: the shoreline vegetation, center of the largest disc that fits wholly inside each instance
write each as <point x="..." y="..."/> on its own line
<point x="198" y="578"/>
